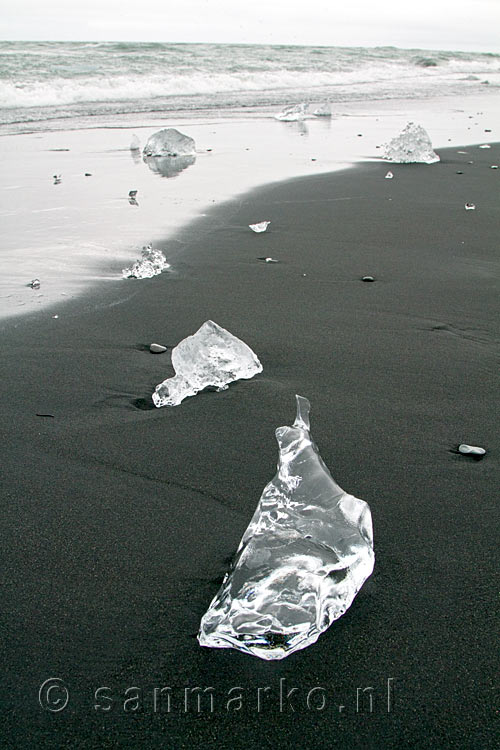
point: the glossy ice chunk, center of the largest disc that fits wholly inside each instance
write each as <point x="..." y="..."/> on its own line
<point x="261" y="226"/>
<point x="323" y="110"/>
<point x="210" y="357"/>
<point x="151" y="263"/>
<point x="301" y="561"/>
<point x="411" y="145"/>
<point x="389" y="176"/>
<point x="169" y="142"/>
<point x="135" y="143"/>
<point x="293" y="113"/>
<point x="470" y="207"/>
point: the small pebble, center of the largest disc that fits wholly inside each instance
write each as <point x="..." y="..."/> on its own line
<point x="35" y="284"/>
<point x="459" y="172"/>
<point x="88" y="174"/>
<point x="471" y="450"/>
<point x="132" y="193"/>
<point x="368" y="278"/>
<point x="157" y="348"/>
<point x="487" y="130"/>
<point x="470" y="207"/>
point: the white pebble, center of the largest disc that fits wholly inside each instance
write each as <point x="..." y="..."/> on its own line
<point x="473" y="450"/>
<point x="157" y="348"/>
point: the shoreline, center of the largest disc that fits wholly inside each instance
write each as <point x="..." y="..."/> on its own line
<point x="119" y="518"/>
<point x="82" y="232"/>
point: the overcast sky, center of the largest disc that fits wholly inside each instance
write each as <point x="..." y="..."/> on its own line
<point x="433" y="24"/>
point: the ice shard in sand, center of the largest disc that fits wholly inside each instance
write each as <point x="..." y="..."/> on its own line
<point x="301" y="561"/>
<point x="169" y="142"/>
<point x="411" y="146"/>
<point x="210" y="357"/>
<point x="293" y="113"/>
<point x="151" y="263"/>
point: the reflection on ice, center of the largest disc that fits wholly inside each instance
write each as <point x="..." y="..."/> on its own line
<point x="169" y="166"/>
<point x="304" y="556"/>
<point x="210" y="357"/>
<point x="293" y="113"/>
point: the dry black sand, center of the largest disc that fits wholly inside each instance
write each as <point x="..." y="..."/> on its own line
<point x="118" y="519"/>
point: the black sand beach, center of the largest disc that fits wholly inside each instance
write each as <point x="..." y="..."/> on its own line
<point x="119" y="518"/>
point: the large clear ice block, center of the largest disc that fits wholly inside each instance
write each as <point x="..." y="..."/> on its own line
<point x="210" y="357"/>
<point x="302" y="560"/>
<point x="411" y="146"/>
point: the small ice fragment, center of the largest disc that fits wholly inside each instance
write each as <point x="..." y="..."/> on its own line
<point x="57" y="179"/>
<point x="323" y="110"/>
<point x="210" y="357"/>
<point x="135" y="143"/>
<point x="494" y="166"/>
<point x="412" y="145"/>
<point x="271" y="260"/>
<point x="35" y="284"/>
<point x="368" y="278"/>
<point x="469" y="207"/>
<point x="304" y="556"/>
<point x="55" y="316"/>
<point x="132" y="193"/>
<point x="472" y="450"/>
<point x="485" y="145"/>
<point x="462" y="152"/>
<point x="157" y="348"/>
<point x="169" y="142"/>
<point x="260" y="227"/>
<point x="151" y="263"/>
<point x="293" y="113"/>
<point x="389" y="176"/>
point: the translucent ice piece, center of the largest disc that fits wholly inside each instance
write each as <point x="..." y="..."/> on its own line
<point x="301" y="561"/>
<point x="323" y="110"/>
<point x="151" y="263"/>
<point x="389" y="176"/>
<point x="135" y="143"/>
<point x="293" y="113"/>
<point x="210" y="357"/>
<point x="470" y="207"/>
<point x="261" y="226"/>
<point x="169" y="142"/>
<point x="410" y="146"/>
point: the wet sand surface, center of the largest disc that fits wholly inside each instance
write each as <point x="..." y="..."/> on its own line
<point x="119" y="519"/>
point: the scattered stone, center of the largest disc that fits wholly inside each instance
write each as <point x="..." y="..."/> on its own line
<point x="157" y="348"/>
<point x="470" y="207"/>
<point x="57" y="179"/>
<point x="45" y="415"/>
<point x="132" y="193"/>
<point x="261" y="226"/>
<point x="88" y="174"/>
<point x="471" y="450"/>
<point x="368" y="278"/>
<point x="487" y="130"/>
<point x="459" y="172"/>
<point x="35" y="284"/>
<point x="389" y="176"/>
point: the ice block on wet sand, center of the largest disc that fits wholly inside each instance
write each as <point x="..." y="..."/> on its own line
<point x="411" y="146"/>
<point x="210" y="357"/>
<point x="301" y="561"/>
